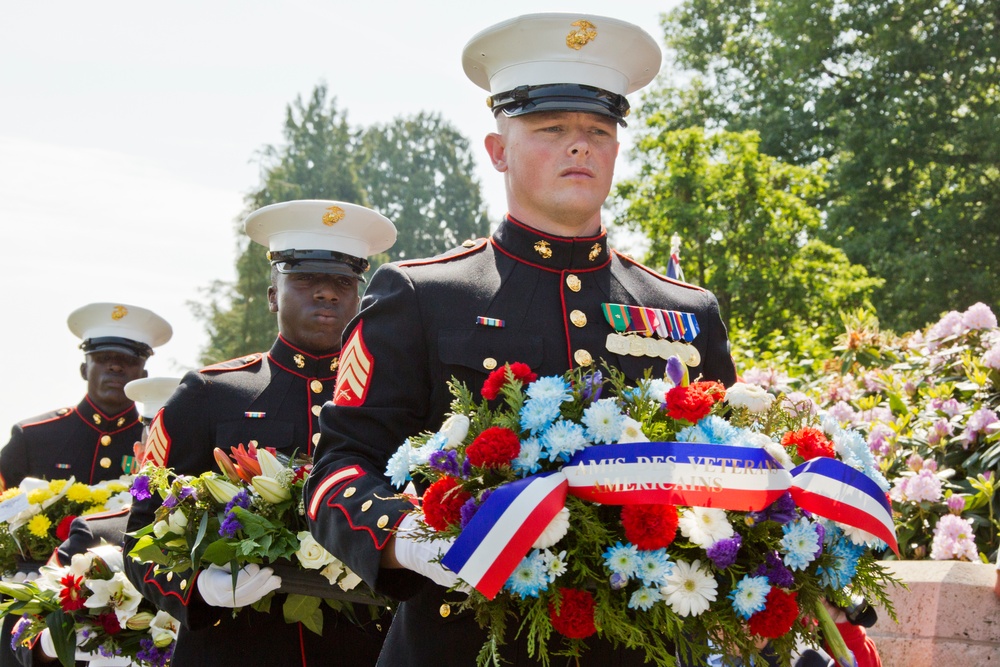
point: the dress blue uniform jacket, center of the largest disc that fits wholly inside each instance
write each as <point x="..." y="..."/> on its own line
<point x="418" y="327"/>
<point x="274" y="400"/>
<point x="80" y="442"/>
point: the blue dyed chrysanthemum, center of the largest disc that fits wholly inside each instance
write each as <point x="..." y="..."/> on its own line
<point x="551" y="387"/>
<point x="711" y="429"/>
<point x="529" y="577"/>
<point x="604" y="421"/>
<point x="398" y="467"/>
<point x="800" y="544"/>
<point x="537" y="414"/>
<point x="750" y="595"/>
<point x="622" y="559"/>
<point x="563" y="439"/>
<point x="654" y="567"/>
<point x="645" y="598"/>
<point x="527" y="461"/>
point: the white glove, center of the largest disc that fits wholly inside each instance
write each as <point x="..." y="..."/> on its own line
<point x="252" y="583"/>
<point x="418" y="555"/>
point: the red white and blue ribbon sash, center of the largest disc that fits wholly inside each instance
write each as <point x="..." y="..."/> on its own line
<point x="832" y="489"/>
<point x="502" y="531"/>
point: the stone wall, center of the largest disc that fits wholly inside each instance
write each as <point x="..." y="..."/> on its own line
<point x="950" y="616"/>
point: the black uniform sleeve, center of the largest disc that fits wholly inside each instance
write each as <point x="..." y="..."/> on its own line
<point x="14" y="459"/>
<point x="717" y="363"/>
<point x="351" y="506"/>
<point x="180" y="430"/>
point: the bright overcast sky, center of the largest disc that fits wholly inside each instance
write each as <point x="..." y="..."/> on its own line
<point x="128" y="132"/>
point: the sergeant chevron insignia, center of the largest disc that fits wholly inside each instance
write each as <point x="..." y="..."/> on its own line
<point x="355" y="371"/>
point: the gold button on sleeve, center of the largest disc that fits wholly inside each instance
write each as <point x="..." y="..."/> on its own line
<point x="365" y="506"/>
<point x="445" y="610"/>
<point x="105" y="440"/>
<point x="383" y="521"/>
<point x="349" y="491"/>
<point x="489" y="363"/>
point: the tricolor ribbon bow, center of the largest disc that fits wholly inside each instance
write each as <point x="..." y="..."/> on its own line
<point x="746" y="479"/>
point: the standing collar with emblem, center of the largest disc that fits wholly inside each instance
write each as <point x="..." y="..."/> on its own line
<point x="99" y="421"/>
<point x="556" y="253"/>
<point x="301" y="363"/>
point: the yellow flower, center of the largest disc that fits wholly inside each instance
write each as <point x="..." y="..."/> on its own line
<point x="79" y="493"/>
<point x="57" y="485"/>
<point x="39" y="525"/>
<point x="93" y="509"/>
<point x="9" y="493"/>
<point x="116" y="487"/>
<point x="100" y="496"/>
<point x="39" y="496"/>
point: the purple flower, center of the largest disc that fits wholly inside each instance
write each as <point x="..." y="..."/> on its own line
<point x="140" y="488"/>
<point x="618" y="581"/>
<point x="780" y="511"/>
<point x="776" y="572"/>
<point x="19" y="628"/>
<point x="231" y="525"/>
<point x="445" y="461"/>
<point x="956" y="504"/>
<point x="723" y="553"/>
<point x="675" y="371"/>
<point x="471" y="506"/>
<point x="593" y="385"/>
<point x="155" y="657"/>
<point x="170" y="502"/>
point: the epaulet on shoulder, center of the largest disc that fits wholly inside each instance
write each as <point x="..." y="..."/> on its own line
<point x="55" y="415"/>
<point x="656" y="274"/>
<point x="234" y="364"/>
<point x="470" y="247"/>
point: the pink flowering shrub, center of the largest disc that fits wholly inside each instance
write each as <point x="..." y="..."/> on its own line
<point x="929" y="405"/>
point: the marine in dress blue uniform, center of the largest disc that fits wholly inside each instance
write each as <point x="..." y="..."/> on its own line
<point x="91" y="441"/>
<point x="521" y="295"/>
<point x="272" y="399"/>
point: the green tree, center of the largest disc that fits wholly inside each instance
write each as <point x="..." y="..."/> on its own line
<point x="902" y="96"/>
<point x="315" y="162"/>
<point x="747" y="223"/>
<point x="418" y="172"/>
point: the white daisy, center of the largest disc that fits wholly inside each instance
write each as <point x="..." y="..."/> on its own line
<point x="689" y="590"/>
<point x="704" y="525"/>
<point x="632" y="432"/>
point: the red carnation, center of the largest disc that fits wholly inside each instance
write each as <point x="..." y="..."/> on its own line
<point x="62" y="530"/>
<point x="498" y="378"/>
<point x="778" y="615"/>
<point x="494" y="447"/>
<point x="71" y="595"/>
<point x="575" y="618"/>
<point x="809" y="443"/>
<point x="109" y="621"/>
<point x="443" y="502"/>
<point x="695" y="401"/>
<point x="650" y="527"/>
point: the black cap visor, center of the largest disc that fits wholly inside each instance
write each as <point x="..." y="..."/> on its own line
<point x="116" y="344"/>
<point x="319" y="261"/>
<point x="561" y="97"/>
